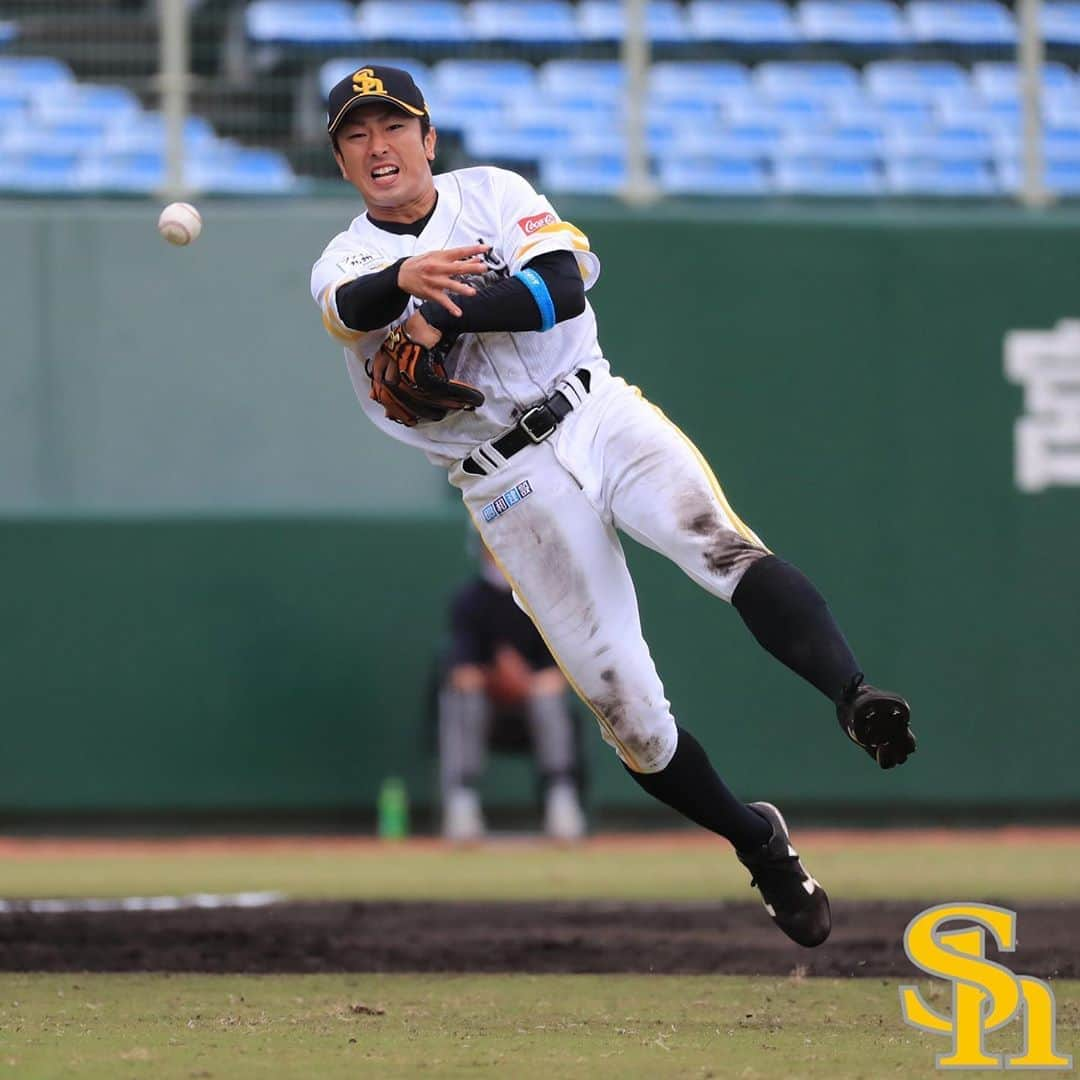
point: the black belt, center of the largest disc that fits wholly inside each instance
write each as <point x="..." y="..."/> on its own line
<point x="533" y="427"/>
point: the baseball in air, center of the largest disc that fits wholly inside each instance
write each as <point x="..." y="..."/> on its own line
<point x="180" y="223"/>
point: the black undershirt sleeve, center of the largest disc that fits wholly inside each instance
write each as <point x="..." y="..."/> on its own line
<point x="507" y="303"/>
<point x="373" y="300"/>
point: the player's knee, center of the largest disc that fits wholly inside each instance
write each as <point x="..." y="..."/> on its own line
<point x="467" y="677"/>
<point x="643" y="740"/>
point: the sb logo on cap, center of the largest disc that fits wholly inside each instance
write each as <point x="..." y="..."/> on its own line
<point x="364" y="82"/>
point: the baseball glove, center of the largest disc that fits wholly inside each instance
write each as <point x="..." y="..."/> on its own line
<point x="411" y="384"/>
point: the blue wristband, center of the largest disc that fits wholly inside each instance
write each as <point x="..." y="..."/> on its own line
<point x="538" y="287"/>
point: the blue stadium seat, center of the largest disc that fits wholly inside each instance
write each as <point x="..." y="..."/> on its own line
<point x="469" y="109"/>
<point x="87" y="101"/>
<point x="834" y="144"/>
<point x="913" y="79"/>
<point x="697" y="80"/>
<point x="333" y="71"/>
<point x="302" y="22"/>
<point x="745" y="22"/>
<point x="582" y="115"/>
<point x="759" y="140"/>
<point x="1000" y="80"/>
<point x="14" y="106"/>
<point x="944" y="144"/>
<point x="876" y="23"/>
<point x="128" y="173"/>
<point x="1061" y="22"/>
<point x="538" y="22"/>
<point x="583" y="174"/>
<point x="1059" y="143"/>
<point x="605" y="20"/>
<point x="714" y="176"/>
<point x="953" y="179"/>
<point x="146" y="134"/>
<point x="44" y="172"/>
<point x="817" y="80"/>
<point x="899" y="113"/>
<point x="826" y="177"/>
<point x="429" y="22"/>
<point x="1060" y="177"/>
<point x="75" y="136"/>
<point x="962" y="22"/>
<point x="502" y="79"/>
<point x="786" y="112"/>
<point x="570" y="80"/>
<point x="522" y="142"/>
<point x="33" y="71"/>
<point x="239" y="171"/>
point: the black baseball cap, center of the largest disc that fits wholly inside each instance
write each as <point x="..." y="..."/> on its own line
<point x="374" y="82"/>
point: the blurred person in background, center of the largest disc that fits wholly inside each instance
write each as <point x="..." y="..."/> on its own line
<point x="499" y="673"/>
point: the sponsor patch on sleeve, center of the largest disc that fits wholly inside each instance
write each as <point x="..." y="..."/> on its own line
<point x="529" y="225"/>
<point x="359" y="262"/>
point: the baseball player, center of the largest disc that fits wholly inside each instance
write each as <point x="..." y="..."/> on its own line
<point x="460" y="300"/>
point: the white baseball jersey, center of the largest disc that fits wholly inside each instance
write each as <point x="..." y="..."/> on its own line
<point x="514" y="370"/>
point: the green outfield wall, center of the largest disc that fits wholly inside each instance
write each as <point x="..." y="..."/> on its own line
<point x="198" y="528"/>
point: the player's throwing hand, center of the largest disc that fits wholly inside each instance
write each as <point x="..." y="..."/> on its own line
<point x="432" y="276"/>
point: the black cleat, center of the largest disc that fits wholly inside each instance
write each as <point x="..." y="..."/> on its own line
<point x="877" y="721"/>
<point x="797" y="903"/>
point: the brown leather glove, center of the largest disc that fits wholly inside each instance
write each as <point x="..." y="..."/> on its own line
<point x="411" y="384"/>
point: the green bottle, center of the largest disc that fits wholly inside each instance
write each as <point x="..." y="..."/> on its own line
<point x="393" y="809"/>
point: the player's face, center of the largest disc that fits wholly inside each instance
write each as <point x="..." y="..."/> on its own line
<point x="382" y="153"/>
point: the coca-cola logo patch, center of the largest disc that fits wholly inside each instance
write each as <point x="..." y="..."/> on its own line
<point x="529" y="225"/>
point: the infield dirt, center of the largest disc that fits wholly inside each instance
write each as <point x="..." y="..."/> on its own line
<point x="570" y="937"/>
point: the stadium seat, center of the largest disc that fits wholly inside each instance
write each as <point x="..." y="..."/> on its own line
<point x="744" y="22"/>
<point x="873" y="23"/>
<point x="147" y="134"/>
<point x="714" y="176"/>
<point x="605" y="20"/>
<point x="583" y="174"/>
<point x="1059" y="143"/>
<point x="460" y="112"/>
<point x="820" y="80"/>
<point x="128" y="173"/>
<point x="901" y="113"/>
<point x="914" y="80"/>
<point x="943" y="144"/>
<point x="927" y="177"/>
<point x="697" y="80"/>
<point x="962" y="22"/>
<point x="427" y="22"/>
<point x="1000" y="80"/>
<point x="752" y="140"/>
<point x="33" y="71"/>
<point x="825" y="177"/>
<point x="538" y="22"/>
<point x="1060" y="177"/>
<point x="302" y="22"/>
<point x="42" y="172"/>
<point x="1061" y="22"/>
<point x="501" y="79"/>
<point x="14" y="106"/>
<point x="834" y="144"/>
<point x="522" y="142"/>
<point x="86" y="101"/>
<point x="793" y="111"/>
<point x="570" y="80"/>
<point x="74" y="136"/>
<point x="242" y="171"/>
<point x="333" y="71"/>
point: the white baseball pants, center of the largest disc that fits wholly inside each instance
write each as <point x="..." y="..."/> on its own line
<point x="549" y="515"/>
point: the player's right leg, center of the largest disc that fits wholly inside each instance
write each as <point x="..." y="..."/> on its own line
<point x="464" y="724"/>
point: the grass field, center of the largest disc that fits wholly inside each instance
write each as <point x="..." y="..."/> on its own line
<point x="519" y="1025"/>
<point x="1005" y="864"/>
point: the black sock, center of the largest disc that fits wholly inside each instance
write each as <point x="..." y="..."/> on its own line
<point x="690" y="785"/>
<point x="790" y="619"/>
